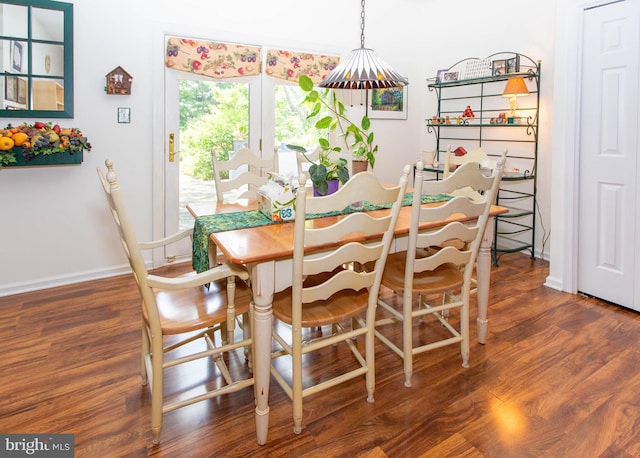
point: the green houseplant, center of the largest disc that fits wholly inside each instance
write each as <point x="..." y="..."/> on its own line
<point x="325" y="169"/>
<point x="330" y="114"/>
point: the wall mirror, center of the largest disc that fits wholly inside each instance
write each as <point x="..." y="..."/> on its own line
<point x="36" y="59"/>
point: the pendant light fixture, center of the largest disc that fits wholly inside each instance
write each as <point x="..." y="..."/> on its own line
<point x="362" y="69"/>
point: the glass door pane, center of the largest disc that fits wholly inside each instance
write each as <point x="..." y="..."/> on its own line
<point x="214" y="115"/>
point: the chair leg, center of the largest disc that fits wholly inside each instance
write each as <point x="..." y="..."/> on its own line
<point x="296" y="355"/>
<point x="407" y="336"/>
<point x="370" y="378"/>
<point x="231" y="310"/>
<point x="157" y="390"/>
<point x="145" y="351"/>
<point x="464" y="330"/>
<point x="246" y="335"/>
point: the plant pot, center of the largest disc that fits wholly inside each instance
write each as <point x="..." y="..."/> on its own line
<point x="359" y="166"/>
<point x="333" y="187"/>
<point x="45" y="160"/>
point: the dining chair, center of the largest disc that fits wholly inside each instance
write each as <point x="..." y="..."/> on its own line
<point x="437" y="271"/>
<point x="477" y="155"/>
<point x="330" y="287"/>
<point x="181" y="310"/>
<point x="244" y="173"/>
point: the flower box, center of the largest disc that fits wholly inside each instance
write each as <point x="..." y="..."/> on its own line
<point x="45" y="160"/>
<point x="41" y="144"/>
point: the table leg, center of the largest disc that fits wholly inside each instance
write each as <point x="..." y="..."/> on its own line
<point x="483" y="277"/>
<point x="262" y="283"/>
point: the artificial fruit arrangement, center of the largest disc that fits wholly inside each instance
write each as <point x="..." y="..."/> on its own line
<point x="39" y="139"/>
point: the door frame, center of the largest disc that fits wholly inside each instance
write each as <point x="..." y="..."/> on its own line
<point x="159" y="142"/>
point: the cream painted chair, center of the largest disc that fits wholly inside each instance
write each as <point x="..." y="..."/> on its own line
<point x="246" y="183"/>
<point x="330" y="289"/>
<point x="178" y="311"/>
<point x="437" y="272"/>
<point x="476" y="155"/>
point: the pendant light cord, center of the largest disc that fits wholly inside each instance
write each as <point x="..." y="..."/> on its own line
<point x="362" y="26"/>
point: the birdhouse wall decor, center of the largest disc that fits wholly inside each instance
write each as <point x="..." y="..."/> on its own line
<point x="118" y="82"/>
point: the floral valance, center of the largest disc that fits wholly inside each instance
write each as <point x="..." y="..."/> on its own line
<point x="289" y="65"/>
<point x="214" y="59"/>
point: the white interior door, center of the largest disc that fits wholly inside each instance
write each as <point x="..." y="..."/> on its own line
<point x="609" y="205"/>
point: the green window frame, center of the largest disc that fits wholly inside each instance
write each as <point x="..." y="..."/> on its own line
<point x="26" y="70"/>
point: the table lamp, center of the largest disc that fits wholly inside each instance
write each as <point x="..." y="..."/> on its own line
<point x="515" y="87"/>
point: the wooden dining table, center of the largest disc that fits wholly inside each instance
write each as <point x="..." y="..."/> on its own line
<point x="267" y="252"/>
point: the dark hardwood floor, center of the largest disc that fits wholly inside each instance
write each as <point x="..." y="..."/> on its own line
<point x="558" y="377"/>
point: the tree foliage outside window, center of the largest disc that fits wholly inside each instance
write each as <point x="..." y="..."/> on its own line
<point x="216" y="114"/>
<point x="212" y="116"/>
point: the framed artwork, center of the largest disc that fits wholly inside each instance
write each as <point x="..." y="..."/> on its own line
<point x="477" y="68"/>
<point x="124" y="115"/>
<point x="445" y="76"/>
<point x="513" y="64"/>
<point x="22" y="91"/>
<point x="499" y="67"/>
<point x="387" y="103"/>
<point x="16" y="56"/>
<point x="11" y="88"/>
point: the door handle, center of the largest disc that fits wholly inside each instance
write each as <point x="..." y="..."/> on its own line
<point x="172" y="152"/>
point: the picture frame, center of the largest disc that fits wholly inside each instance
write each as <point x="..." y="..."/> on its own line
<point x="124" y="115"/>
<point x="477" y="68"/>
<point x="16" y="56"/>
<point x="513" y="64"/>
<point x="387" y="103"/>
<point x="445" y="76"/>
<point x="499" y="67"/>
<point x="11" y="88"/>
<point x="22" y="91"/>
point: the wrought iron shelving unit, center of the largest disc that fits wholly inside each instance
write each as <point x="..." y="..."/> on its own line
<point x="479" y="84"/>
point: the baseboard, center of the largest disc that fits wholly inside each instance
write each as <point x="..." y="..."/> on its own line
<point x="554" y="283"/>
<point x="52" y="282"/>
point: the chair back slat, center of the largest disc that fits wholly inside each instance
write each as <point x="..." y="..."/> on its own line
<point x="343" y="280"/>
<point x="315" y="263"/>
<point x="362" y="187"/>
<point x="246" y="183"/>
<point x="361" y="223"/>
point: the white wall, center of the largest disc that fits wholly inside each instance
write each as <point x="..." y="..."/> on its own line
<point x="54" y="227"/>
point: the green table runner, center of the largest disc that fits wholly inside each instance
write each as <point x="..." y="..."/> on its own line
<point x="207" y="224"/>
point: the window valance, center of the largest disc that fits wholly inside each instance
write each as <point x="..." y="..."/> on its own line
<point x="230" y="60"/>
<point x="289" y="65"/>
<point x="214" y="59"/>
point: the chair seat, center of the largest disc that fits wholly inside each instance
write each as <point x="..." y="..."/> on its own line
<point x="445" y="278"/>
<point x="193" y="309"/>
<point x="341" y="306"/>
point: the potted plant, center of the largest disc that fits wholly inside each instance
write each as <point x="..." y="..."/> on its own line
<point x="358" y="138"/>
<point x="326" y="173"/>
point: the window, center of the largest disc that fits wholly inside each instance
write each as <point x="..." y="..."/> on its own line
<point x="36" y="58"/>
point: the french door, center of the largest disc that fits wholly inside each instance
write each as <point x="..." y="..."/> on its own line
<point x="195" y="113"/>
<point x="189" y="139"/>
